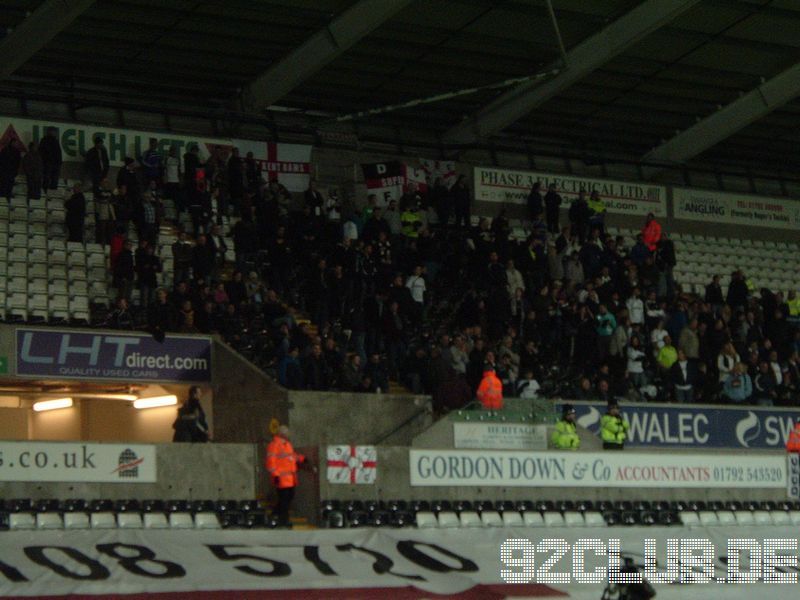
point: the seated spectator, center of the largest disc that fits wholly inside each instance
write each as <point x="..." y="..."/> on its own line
<point x="738" y="386"/>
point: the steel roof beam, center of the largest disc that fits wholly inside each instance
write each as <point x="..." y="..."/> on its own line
<point x="740" y="113"/>
<point x="584" y="58"/>
<point x="341" y="33"/>
<point x="32" y="34"/>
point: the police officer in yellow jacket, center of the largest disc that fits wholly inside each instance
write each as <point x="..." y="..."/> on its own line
<point x="565" y="436"/>
<point x="613" y="428"/>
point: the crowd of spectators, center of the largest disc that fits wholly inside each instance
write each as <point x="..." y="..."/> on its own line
<point x="411" y="291"/>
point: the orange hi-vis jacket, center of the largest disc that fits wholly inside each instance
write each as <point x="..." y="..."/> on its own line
<point x="490" y="391"/>
<point x="793" y="445"/>
<point x="282" y="462"/>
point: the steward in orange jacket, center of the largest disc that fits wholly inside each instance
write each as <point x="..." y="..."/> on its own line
<point x="793" y="444"/>
<point x="490" y="391"/>
<point x="282" y="463"/>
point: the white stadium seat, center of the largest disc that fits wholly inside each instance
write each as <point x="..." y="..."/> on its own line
<point x="155" y="521"/>
<point x="469" y="518"/>
<point x="593" y="518"/>
<point x="491" y="518"/>
<point x="762" y="517"/>
<point x="726" y="517"/>
<point x="573" y="518"/>
<point x="533" y="518"/>
<point x="181" y="520"/>
<point x="49" y="520"/>
<point x="21" y="520"/>
<point x="76" y="520"/>
<point x="780" y="517"/>
<point x="426" y="520"/>
<point x="206" y="520"/>
<point x="129" y="520"/>
<point x="512" y="518"/>
<point x="689" y="517"/>
<point x="708" y="517"/>
<point x="744" y="517"/>
<point x="448" y="519"/>
<point x="103" y="520"/>
<point x="553" y="519"/>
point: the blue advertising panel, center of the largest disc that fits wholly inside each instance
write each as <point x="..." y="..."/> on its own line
<point x="59" y="354"/>
<point x="693" y="426"/>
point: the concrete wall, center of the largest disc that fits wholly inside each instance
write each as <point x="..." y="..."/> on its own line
<point x="343" y="418"/>
<point x="185" y="471"/>
<point x="393" y="484"/>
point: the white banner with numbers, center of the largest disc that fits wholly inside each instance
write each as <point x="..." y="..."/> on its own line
<point x="362" y="564"/>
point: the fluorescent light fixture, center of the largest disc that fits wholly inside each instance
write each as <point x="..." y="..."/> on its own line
<point x="156" y="401"/>
<point x="52" y="404"/>
<point x="102" y="396"/>
<point x="128" y="397"/>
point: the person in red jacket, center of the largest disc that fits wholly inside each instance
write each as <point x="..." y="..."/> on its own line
<point x="793" y="444"/>
<point x="490" y="391"/>
<point x="651" y="232"/>
<point x="281" y="462"/>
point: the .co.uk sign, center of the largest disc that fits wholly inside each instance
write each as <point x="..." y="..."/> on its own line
<point x="690" y="426"/>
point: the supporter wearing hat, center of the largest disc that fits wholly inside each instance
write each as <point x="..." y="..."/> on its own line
<point x="613" y="428"/>
<point x="565" y="435"/>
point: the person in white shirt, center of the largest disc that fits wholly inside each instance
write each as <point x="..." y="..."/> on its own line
<point x="635" y="308"/>
<point x="636" y="363"/>
<point x="515" y="279"/>
<point x="172" y="180"/>
<point x="726" y="361"/>
<point x="333" y="207"/>
<point x="416" y="284"/>
<point x="528" y="387"/>
<point x="657" y="337"/>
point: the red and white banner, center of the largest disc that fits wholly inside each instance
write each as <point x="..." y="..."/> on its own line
<point x="389" y="180"/>
<point x="289" y="163"/>
<point x="352" y="464"/>
<point x="445" y="169"/>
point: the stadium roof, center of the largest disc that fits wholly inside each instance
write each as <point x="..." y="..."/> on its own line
<point x="634" y="74"/>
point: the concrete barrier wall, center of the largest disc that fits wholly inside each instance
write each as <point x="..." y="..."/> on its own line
<point x="185" y="471"/>
<point x="393" y="484"/>
<point x="344" y="418"/>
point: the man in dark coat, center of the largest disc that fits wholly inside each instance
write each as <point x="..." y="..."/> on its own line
<point x="52" y="159"/>
<point x="97" y="163"/>
<point x="10" y="158"/>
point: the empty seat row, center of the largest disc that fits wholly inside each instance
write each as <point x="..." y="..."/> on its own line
<point x="110" y="520"/>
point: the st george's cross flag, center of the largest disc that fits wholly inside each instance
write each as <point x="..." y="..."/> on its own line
<point x="289" y="163"/>
<point x="352" y="464"/>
